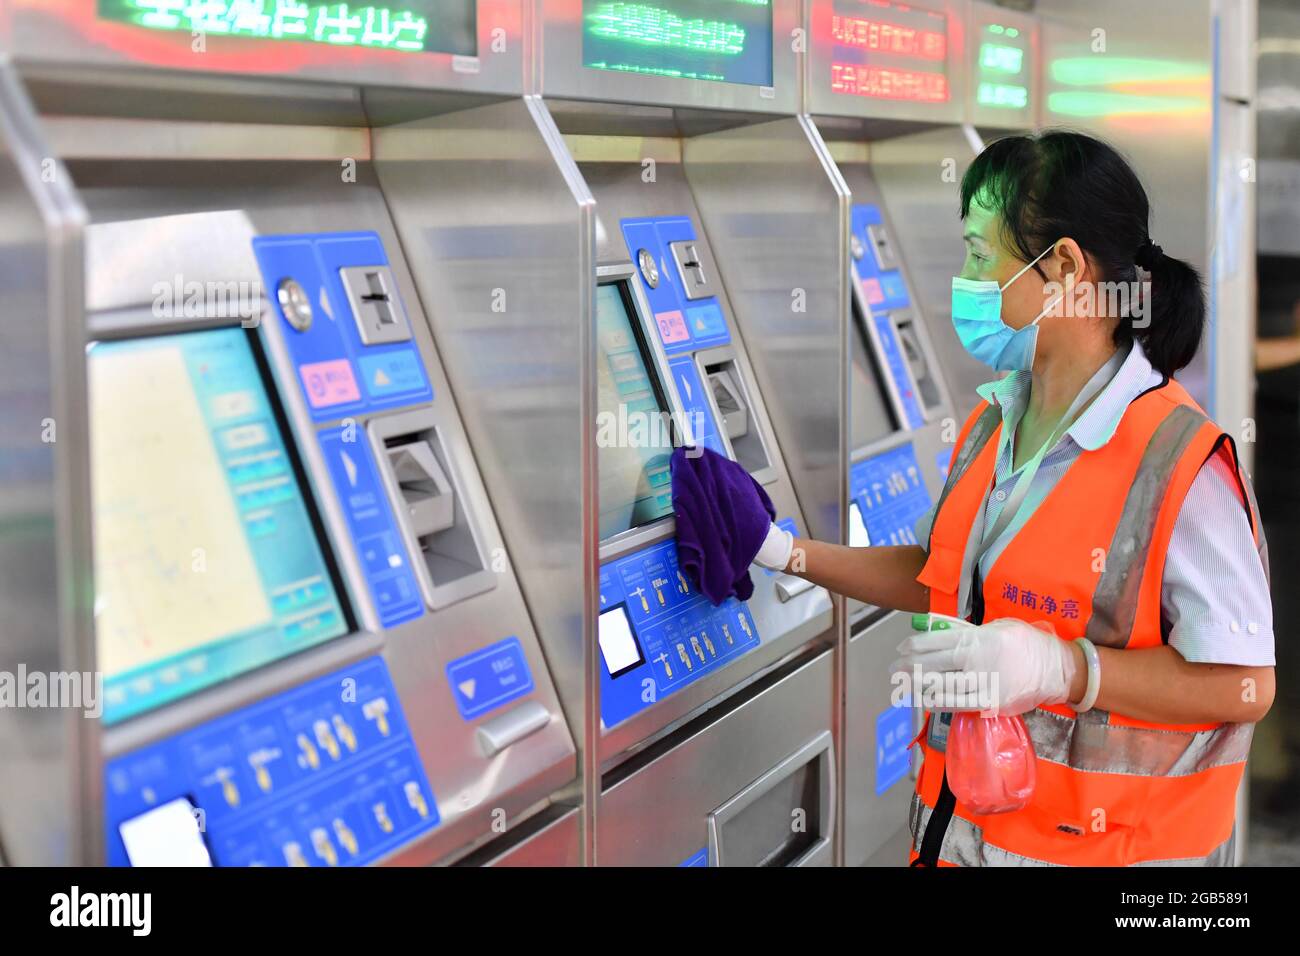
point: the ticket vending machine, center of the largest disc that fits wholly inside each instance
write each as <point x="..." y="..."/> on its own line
<point x="263" y="515"/>
<point x="716" y="723"/>
<point x="884" y="84"/>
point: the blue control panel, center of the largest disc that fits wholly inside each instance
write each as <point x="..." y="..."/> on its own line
<point x="893" y="738"/>
<point x="489" y="677"/>
<point x="339" y="374"/>
<point x="365" y="504"/>
<point x="685" y="325"/>
<point x="695" y="402"/>
<point x="885" y="290"/>
<point x="890" y="494"/>
<point x="325" y="774"/>
<point x="698" y="858"/>
<point x="658" y="633"/>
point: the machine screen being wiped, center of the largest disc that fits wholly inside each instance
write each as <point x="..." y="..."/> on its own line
<point x="727" y="41"/>
<point x="185" y="596"/>
<point x="413" y="26"/>
<point x="633" y="429"/>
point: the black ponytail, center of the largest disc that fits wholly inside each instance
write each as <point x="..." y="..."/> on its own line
<point x="1176" y="316"/>
<point x="1059" y="183"/>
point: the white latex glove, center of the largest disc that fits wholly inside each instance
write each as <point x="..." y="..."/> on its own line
<point x="1003" y="667"/>
<point x="774" y="553"/>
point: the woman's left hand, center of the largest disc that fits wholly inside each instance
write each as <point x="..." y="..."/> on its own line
<point x="1006" y="666"/>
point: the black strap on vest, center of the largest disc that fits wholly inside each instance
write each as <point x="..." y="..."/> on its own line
<point x="1164" y="380"/>
<point x="938" y="825"/>
<point x="1226" y="439"/>
<point x="944" y="807"/>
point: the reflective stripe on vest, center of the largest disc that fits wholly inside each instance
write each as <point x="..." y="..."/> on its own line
<point x="978" y="430"/>
<point x="1093" y="762"/>
<point x="1090" y="743"/>
<point x="965" y="845"/>
<point x="1115" y="600"/>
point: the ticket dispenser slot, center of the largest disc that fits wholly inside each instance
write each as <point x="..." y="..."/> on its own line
<point x="439" y="530"/>
<point x="754" y="827"/>
<point x="735" y="410"/>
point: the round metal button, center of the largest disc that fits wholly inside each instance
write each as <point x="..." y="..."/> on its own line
<point x="294" y="304"/>
<point x="649" y="271"/>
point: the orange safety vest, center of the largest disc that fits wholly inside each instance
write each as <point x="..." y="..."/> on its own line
<point x="1112" y="790"/>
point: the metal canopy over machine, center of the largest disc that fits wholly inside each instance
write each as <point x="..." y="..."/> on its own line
<point x="306" y="604"/>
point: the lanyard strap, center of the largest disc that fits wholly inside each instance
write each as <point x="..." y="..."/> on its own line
<point x="1016" y="500"/>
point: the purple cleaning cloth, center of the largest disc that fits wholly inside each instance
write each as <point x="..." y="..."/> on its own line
<point x="723" y="516"/>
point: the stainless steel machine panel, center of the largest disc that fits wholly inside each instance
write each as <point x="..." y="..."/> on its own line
<point x="44" y="494"/>
<point x="776" y="212"/>
<point x="876" y="799"/>
<point x="782" y="624"/>
<point x="732" y="235"/>
<point x="921" y="429"/>
<point x="927" y="422"/>
<point x="919" y="180"/>
<point x="756" y="786"/>
<point x="556" y="844"/>
<point x="505" y="262"/>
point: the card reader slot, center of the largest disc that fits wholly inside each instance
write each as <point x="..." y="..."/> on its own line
<point x="435" y="516"/>
<point x="430" y="501"/>
<point x="735" y="415"/>
<point x="734" y="407"/>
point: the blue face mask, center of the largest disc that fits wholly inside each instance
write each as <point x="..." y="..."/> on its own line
<point x="977" y="317"/>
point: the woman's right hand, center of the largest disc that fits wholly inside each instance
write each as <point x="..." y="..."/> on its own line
<point x="883" y="576"/>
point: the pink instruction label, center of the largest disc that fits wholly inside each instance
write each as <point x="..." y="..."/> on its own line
<point x="872" y="290"/>
<point x="672" y="327"/>
<point x="329" y="383"/>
